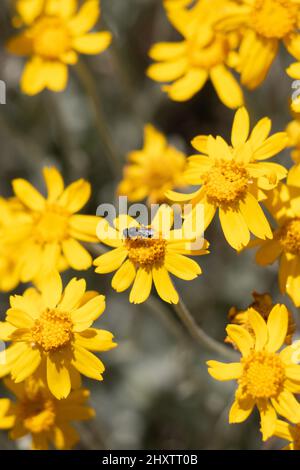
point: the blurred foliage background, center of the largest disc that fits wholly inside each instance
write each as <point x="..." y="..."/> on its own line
<point x="156" y="393"/>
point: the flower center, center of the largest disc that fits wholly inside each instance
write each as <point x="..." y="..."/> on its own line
<point x="274" y="18"/>
<point x="51" y="226"/>
<point x="209" y="55"/>
<point x="263" y="375"/>
<point x="226" y="183"/>
<point x="53" y="330"/>
<point x="51" y="39"/>
<point x="146" y="252"/>
<point x="289" y="236"/>
<point x="38" y="415"/>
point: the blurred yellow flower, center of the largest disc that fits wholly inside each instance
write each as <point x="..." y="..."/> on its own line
<point x="38" y="414"/>
<point x="142" y="261"/>
<point x="266" y="379"/>
<point x="264" y="24"/>
<point x="263" y="304"/>
<point x="153" y="170"/>
<point x="293" y="132"/>
<point x="203" y="54"/>
<point x="284" y="205"/>
<point x="55" y="32"/>
<point x="289" y="432"/>
<point x="50" y="230"/>
<point x="234" y="178"/>
<point x="51" y="335"/>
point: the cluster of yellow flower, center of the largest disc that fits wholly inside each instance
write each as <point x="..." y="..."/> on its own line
<point x="50" y="329"/>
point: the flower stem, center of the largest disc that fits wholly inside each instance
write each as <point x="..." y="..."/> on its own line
<point x="90" y="86"/>
<point x="202" y="338"/>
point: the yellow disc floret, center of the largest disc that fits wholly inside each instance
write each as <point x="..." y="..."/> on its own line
<point x="53" y="330"/>
<point x="51" y="226"/>
<point x="146" y="252"/>
<point x="226" y="183"/>
<point x="289" y="236"/>
<point x="263" y="375"/>
<point x="50" y="38"/>
<point x="274" y="18"/>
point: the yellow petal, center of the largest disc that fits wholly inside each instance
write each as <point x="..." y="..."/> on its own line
<point x="58" y="377"/>
<point x="96" y="340"/>
<point x="272" y="146"/>
<point x="110" y="261"/>
<point x="73" y="294"/>
<point x="25" y="365"/>
<point x="87" y="363"/>
<point x="287" y="406"/>
<point x="75" y="196"/>
<point x="267" y="419"/>
<point x="240" y="127"/>
<point x="182" y="267"/>
<point x="167" y="50"/>
<point x="76" y="255"/>
<point x="241" y="338"/>
<point x="235" y="228"/>
<point x="18" y="318"/>
<point x="277" y="327"/>
<point x="185" y="88"/>
<point x="226" y="86"/>
<point x="86" y="18"/>
<point x="92" y="43"/>
<point x="221" y="371"/>
<point x="56" y="76"/>
<point x="54" y="183"/>
<point x="141" y="287"/>
<point x="164" y="285"/>
<point x="28" y="195"/>
<point x="260" y="132"/>
<point x="163" y="219"/>
<point x="268" y="252"/>
<point x="51" y="289"/>
<point x="84" y="316"/>
<point x="259" y="327"/>
<point x="240" y="410"/>
<point x="34" y="77"/>
<point x="124" y="277"/>
<point x="167" y="71"/>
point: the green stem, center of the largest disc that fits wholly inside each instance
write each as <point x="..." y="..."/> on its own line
<point x="90" y="86"/>
<point x="202" y="338"/>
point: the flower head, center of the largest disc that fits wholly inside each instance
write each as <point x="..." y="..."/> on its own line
<point x="141" y="260"/>
<point x="53" y="35"/>
<point x="263" y="24"/>
<point x="203" y="54"/>
<point x="51" y="335"/>
<point x="234" y="178"/>
<point x="50" y="231"/>
<point x="263" y="304"/>
<point x="284" y="205"/>
<point x="266" y="378"/>
<point x="153" y="170"/>
<point x="39" y="414"/>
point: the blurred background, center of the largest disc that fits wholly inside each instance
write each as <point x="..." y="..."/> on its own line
<point x="156" y="392"/>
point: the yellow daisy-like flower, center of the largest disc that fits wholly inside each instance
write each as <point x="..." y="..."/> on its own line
<point x="289" y="432"/>
<point x="147" y="256"/>
<point x="293" y="132"/>
<point x="51" y="335"/>
<point x="264" y="24"/>
<point x="266" y="378"/>
<point x="38" y="414"/>
<point x="234" y="178"/>
<point x="263" y="304"/>
<point x="55" y="32"/>
<point x="51" y="231"/>
<point x="203" y="54"/>
<point x="153" y="170"/>
<point x="284" y="205"/>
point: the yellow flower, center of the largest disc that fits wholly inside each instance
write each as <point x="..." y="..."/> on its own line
<point x="234" y="178"/>
<point x="264" y="24"/>
<point x="38" y="414"/>
<point x="140" y="260"/>
<point x="51" y="335"/>
<point x="53" y="36"/>
<point x="203" y="54"/>
<point x="153" y="170"/>
<point x="266" y="378"/>
<point x="293" y="132"/>
<point x="284" y="205"/>
<point x="288" y="432"/>
<point x="50" y="230"/>
<point x="263" y="304"/>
